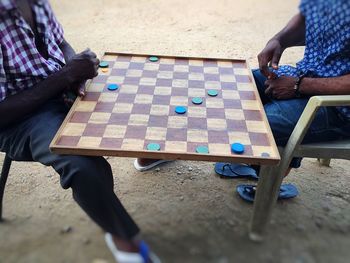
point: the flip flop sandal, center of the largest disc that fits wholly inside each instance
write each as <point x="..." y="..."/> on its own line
<point x="235" y="170"/>
<point x="247" y="192"/>
<point x="141" y="168"/>
<point x="144" y="256"/>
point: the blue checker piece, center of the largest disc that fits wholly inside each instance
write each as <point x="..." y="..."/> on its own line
<point x="113" y="86"/>
<point x="237" y="148"/>
<point x="180" y="110"/>
<point x="153" y="147"/>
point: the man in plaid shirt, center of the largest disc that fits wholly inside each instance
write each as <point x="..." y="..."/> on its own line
<point x="37" y="66"/>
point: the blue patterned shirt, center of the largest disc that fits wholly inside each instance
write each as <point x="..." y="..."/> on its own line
<point x="327" y="52"/>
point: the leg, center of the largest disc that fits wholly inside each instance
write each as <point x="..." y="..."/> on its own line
<point x="3" y="179"/>
<point x="90" y="178"/>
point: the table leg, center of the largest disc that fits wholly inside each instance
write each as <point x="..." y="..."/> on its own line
<point x="270" y="181"/>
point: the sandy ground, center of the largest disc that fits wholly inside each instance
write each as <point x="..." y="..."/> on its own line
<point x="187" y="213"/>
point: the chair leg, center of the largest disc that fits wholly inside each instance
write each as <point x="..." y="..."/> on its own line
<point x="3" y="179"/>
<point x="270" y="180"/>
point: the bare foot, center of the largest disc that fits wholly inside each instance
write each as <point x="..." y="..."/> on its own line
<point x="145" y="162"/>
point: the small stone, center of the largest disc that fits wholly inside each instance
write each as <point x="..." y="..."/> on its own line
<point x="181" y="198"/>
<point x="86" y="241"/>
<point x="191" y="178"/>
<point x="318" y="223"/>
<point x="179" y="173"/>
<point x="66" y="230"/>
<point x="190" y="169"/>
<point x="300" y="228"/>
<point x="157" y="169"/>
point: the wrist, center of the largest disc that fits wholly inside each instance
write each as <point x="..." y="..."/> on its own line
<point x="297" y="86"/>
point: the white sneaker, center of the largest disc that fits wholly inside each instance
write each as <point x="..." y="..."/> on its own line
<point x="128" y="257"/>
<point x="141" y="168"/>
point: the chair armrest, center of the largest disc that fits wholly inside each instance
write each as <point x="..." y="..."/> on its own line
<point x="306" y="119"/>
<point x="331" y="101"/>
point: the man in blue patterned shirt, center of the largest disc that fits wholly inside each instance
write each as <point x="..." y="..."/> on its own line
<point x="323" y="26"/>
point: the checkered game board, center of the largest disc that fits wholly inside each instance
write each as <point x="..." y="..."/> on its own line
<point x="142" y="111"/>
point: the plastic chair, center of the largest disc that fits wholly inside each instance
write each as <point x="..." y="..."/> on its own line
<point x="271" y="177"/>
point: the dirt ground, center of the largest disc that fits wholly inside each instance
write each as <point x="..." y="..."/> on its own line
<point x="186" y="212"/>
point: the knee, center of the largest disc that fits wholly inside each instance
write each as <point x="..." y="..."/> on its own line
<point x="82" y="170"/>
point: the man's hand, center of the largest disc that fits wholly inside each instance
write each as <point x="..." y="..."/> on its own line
<point x="281" y="88"/>
<point x="82" y="67"/>
<point x="270" y="57"/>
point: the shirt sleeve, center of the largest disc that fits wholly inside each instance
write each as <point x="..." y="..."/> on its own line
<point x="3" y="89"/>
<point x="56" y="27"/>
<point x="303" y="6"/>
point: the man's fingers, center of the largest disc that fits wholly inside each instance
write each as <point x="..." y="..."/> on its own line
<point x="276" y="59"/>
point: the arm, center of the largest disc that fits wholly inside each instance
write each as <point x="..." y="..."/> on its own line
<point x="326" y="86"/>
<point x="292" y="35"/>
<point x="67" y="50"/>
<point x="69" y="53"/>
<point x="283" y="87"/>
<point x="81" y="67"/>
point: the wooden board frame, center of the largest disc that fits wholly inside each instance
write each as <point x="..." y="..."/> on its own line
<point x="57" y="149"/>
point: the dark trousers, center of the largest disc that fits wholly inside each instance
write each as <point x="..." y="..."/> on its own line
<point x="90" y="178"/>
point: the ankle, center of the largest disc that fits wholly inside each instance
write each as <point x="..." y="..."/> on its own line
<point x="130" y="246"/>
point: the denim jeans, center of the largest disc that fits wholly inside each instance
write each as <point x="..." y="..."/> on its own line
<point x="283" y="115"/>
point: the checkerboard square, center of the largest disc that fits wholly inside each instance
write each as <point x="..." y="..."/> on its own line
<point x="197" y="123"/>
<point x="151" y="66"/>
<point x="175" y="147"/>
<point x="234" y="114"/>
<point x="114" y="131"/>
<point x="135" y="132"/>
<point x="108" y="97"/>
<point x="143" y="99"/>
<point x="157" y="121"/>
<point x="94" y="130"/>
<point x="197" y="112"/>
<point x="161" y="100"/>
<point x="136" y="73"/>
<point x="156" y="133"/>
<point x="104" y="106"/>
<point x="99" y="117"/>
<point x="165" y="75"/>
<point x="141" y="109"/>
<point x="160" y="110"/>
<point x="165" y="91"/>
<point x="119" y="118"/>
<point x="134" y="65"/>
<point x="241" y="137"/>
<point x="89" y="142"/>
<point x="197" y="136"/>
<point x="180" y="83"/>
<point x="138" y="119"/>
<point x="133" y="144"/>
<point x="74" y="129"/>
<point x="111" y="143"/>
<point x="80" y="117"/>
<point x="216" y="124"/>
<point x="129" y="89"/>
<point x="196" y="69"/>
<point x="86" y="106"/>
<point x="122" y="108"/>
<point x="177" y="122"/>
<point x="95" y="87"/>
<point x="196" y="76"/>
<point x="179" y="101"/>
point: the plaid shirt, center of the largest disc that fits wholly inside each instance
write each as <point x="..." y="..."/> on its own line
<point x="21" y="64"/>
